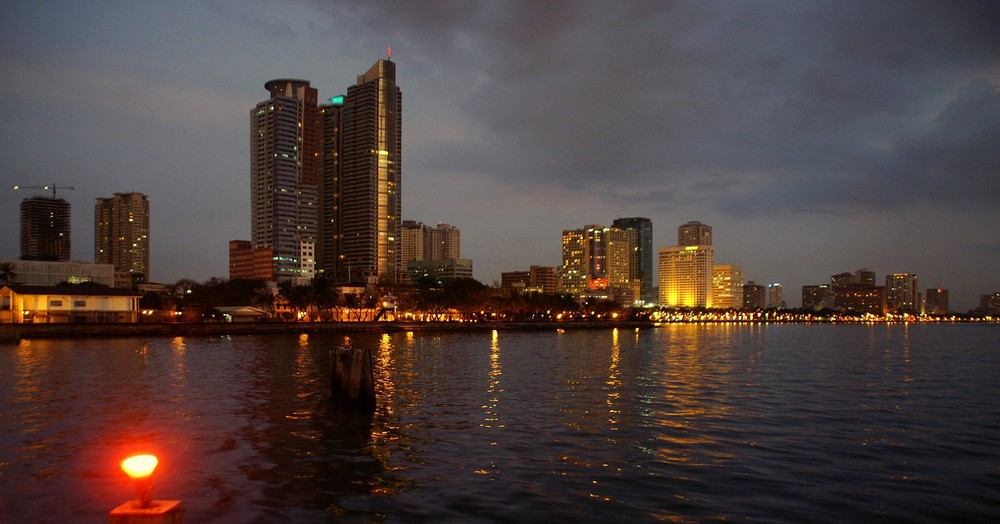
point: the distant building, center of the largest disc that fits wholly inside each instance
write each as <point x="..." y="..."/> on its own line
<point x="990" y="304"/>
<point x="438" y="270"/>
<point x="686" y="269"/>
<point x="694" y="233"/>
<point x="121" y="234"/>
<point x="936" y="301"/>
<point x="519" y="280"/>
<point x="754" y="296"/>
<point x="45" y="229"/>
<point x="817" y="297"/>
<point x="686" y="276"/>
<point x="247" y="262"/>
<point x="902" y="293"/>
<point x="864" y="277"/>
<point x="774" y="300"/>
<point x="545" y="278"/>
<point x="422" y="242"/>
<point x="597" y="261"/>
<point x="727" y="286"/>
<point x="642" y="255"/>
<point x="861" y="298"/>
<point x="46" y="273"/>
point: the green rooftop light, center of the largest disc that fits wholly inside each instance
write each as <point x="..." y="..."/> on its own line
<point x="337" y="100"/>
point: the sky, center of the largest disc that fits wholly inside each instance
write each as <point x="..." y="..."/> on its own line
<point x="814" y="137"/>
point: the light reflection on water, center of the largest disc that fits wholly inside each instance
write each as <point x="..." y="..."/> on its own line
<point x="784" y="423"/>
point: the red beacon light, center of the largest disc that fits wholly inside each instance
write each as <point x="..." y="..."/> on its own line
<point x="140" y="469"/>
<point x="145" y="510"/>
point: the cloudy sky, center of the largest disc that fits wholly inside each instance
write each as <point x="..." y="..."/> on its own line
<point x="814" y="137"/>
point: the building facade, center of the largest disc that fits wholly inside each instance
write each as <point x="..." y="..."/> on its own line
<point x="284" y="160"/>
<point x="754" y="296"/>
<point x="45" y="229"/>
<point x="694" y="233"/>
<point x="247" y="262"/>
<point x="370" y="175"/>
<point x="902" y="293"/>
<point x="45" y="273"/>
<point x="642" y="254"/>
<point x="817" y="297"/>
<point x="24" y="304"/>
<point x="686" y="276"/>
<point x="936" y="301"/>
<point x="121" y="234"/>
<point x="727" y="286"/>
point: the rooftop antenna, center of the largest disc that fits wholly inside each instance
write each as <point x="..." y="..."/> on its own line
<point x="389" y="52"/>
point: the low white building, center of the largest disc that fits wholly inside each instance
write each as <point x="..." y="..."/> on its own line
<point x="22" y="304"/>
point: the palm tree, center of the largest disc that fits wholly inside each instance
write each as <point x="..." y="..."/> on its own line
<point x="7" y="272"/>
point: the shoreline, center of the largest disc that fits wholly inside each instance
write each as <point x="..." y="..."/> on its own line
<point x="14" y="333"/>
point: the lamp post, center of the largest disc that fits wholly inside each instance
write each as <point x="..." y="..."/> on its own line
<point x="145" y="510"/>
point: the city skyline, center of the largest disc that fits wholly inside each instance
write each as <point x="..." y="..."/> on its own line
<point x="815" y="138"/>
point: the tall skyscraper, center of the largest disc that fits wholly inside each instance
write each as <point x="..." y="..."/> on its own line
<point x="284" y="152"/>
<point x="686" y="269"/>
<point x="45" y="229"/>
<point x="121" y="234"/>
<point x="642" y="254"/>
<point x="371" y="170"/>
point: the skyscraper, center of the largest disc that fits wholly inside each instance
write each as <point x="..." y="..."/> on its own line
<point x="902" y="293"/>
<point x="642" y="254"/>
<point x="121" y="234"/>
<point x="45" y="229"/>
<point x="370" y="174"/>
<point x="727" y="286"/>
<point x="686" y="269"/>
<point x="284" y="151"/>
<point x="597" y="261"/>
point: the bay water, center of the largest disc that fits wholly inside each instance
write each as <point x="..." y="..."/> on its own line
<point x="678" y="423"/>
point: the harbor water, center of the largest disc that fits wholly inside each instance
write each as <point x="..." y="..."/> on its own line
<point x="682" y="422"/>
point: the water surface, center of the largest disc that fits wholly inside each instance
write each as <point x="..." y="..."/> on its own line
<point x="691" y="423"/>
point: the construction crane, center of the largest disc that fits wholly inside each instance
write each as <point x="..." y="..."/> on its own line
<point x="53" y="187"/>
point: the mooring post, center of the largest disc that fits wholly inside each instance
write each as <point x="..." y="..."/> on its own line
<point x="352" y="379"/>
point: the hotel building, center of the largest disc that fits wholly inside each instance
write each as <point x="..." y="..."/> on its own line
<point x="686" y="269"/>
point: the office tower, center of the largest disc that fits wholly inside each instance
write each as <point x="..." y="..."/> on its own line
<point x="901" y="293"/>
<point x="936" y="301"/>
<point x="121" y="234"/>
<point x="642" y="259"/>
<point x="284" y="152"/>
<point x="370" y="174"/>
<point x="754" y="296"/>
<point x="774" y="300"/>
<point x="573" y="273"/>
<point x="694" y="233"/>
<point x="686" y="276"/>
<point x="727" y="286"/>
<point x="45" y="229"/>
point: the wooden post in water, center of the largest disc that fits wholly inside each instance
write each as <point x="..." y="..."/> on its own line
<point x="352" y="380"/>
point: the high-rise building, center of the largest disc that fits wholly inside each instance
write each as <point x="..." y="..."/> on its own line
<point x="936" y="301"/>
<point x="445" y="242"/>
<point x="727" y="286"/>
<point x="817" y="297"/>
<point x="121" y="234"/>
<point x="642" y="254"/>
<point x="370" y="166"/>
<point x="284" y="152"/>
<point x="686" y="276"/>
<point x="754" y="296"/>
<point x="902" y="294"/>
<point x="413" y="236"/>
<point x="774" y="300"/>
<point x="694" y="233"/>
<point x="328" y="252"/>
<point x="247" y="262"/>
<point x="597" y="261"/>
<point x="45" y="229"/>
<point x="686" y="269"/>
